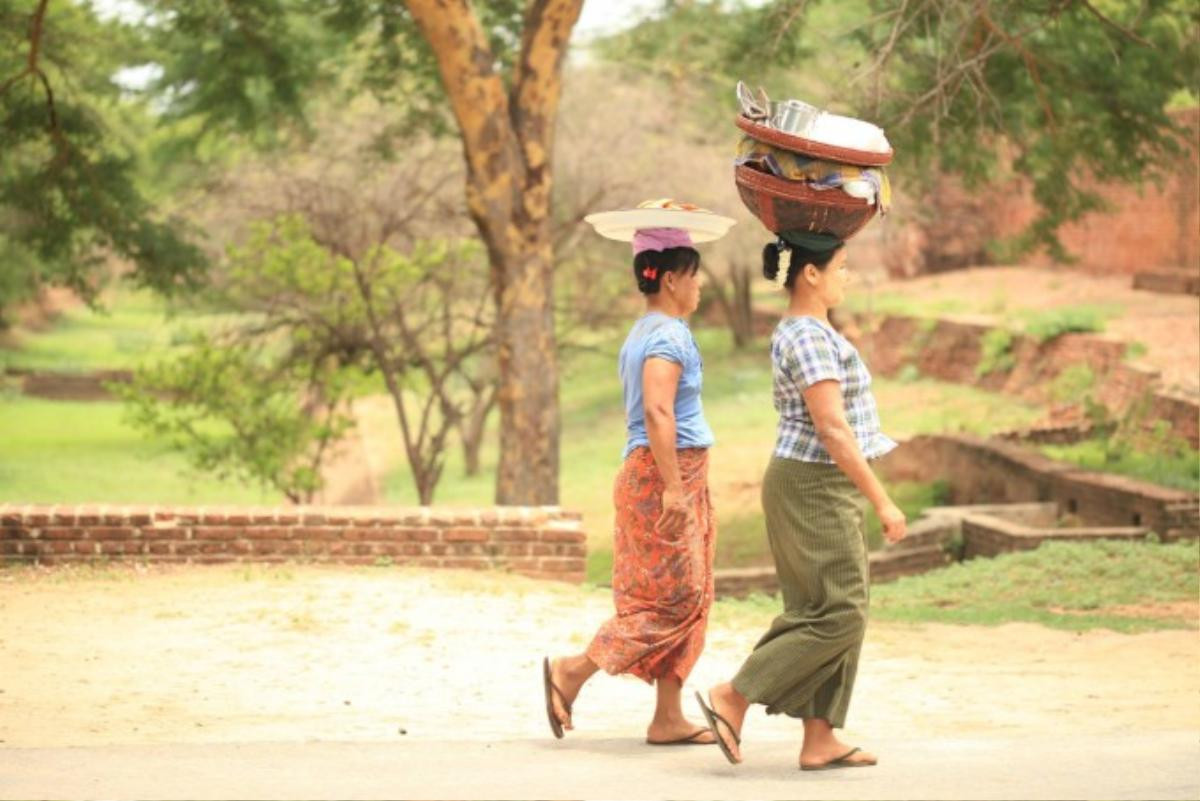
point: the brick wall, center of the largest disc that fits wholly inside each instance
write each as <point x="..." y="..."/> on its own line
<point x="1171" y="282"/>
<point x="1153" y="226"/>
<point x="987" y="536"/>
<point x="89" y="386"/>
<point x="993" y="471"/>
<point x="542" y="542"/>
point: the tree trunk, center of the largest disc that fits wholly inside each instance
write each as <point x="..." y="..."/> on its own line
<point x="507" y="142"/>
<point x="528" y="392"/>
<point x="473" y="424"/>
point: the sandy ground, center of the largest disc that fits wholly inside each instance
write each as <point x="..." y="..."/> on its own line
<point x="1168" y="325"/>
<point x="299" y="654"/>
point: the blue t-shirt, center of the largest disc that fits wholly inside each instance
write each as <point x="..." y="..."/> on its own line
<point x="661" y="336"/>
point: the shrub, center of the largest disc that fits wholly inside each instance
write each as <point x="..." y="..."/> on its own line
<point x="1048" y="325"/>
<point x="996" y="352"/>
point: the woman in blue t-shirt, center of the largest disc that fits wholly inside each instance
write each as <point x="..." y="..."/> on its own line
<point x="664" y="526"/>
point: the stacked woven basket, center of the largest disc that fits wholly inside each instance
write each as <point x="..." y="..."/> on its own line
<point x="792" y="205"/>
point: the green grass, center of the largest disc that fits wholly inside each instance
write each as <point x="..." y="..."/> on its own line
<point x="1073" y="586"/>
<point x="1063" y="585"/>
<point x="1178" y="468"/>
<point x="1072" y="383"/>
<point x="1042" y="325"/>
<point x="1084" y="319"/>
<point x="996" y="346"/>
<point x="131" y="327"/>
<point x="886" y="303"/>
<point x="79" y="452"/>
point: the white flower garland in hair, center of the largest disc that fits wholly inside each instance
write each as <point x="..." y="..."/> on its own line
<point x="785" y="265"/>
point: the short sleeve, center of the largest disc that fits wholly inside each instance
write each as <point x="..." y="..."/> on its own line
<point x="669" y="341"/>
<point x="812" y="356"/>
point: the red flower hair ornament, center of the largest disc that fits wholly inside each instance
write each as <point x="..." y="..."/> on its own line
<point x="650" y="273"/>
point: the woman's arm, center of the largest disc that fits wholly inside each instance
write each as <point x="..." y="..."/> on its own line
<point x="824" y="401"/>
<point x="660" y="379"/>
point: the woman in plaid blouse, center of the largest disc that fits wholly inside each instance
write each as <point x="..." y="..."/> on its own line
<point x="814" y="493"/>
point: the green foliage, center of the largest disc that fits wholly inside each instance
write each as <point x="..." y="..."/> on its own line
<point x="240" y="66"/>
<point x="241" y="414"/>
<point x="254" y="69"/>
<point x="1047" y="325"/>
<point x="1133" y="445"/>
<point x="732" y="41"/>
<point x="889" y="303"/>
<point x="319" y="317"/>
<point x="1070" y="92"/>
<point x="1073" y="383"/>
<point x="1135" y="350"/>
<point x="1157" y="456"/>
<point x="996" y="352"/>
<point x="69" y="180"/>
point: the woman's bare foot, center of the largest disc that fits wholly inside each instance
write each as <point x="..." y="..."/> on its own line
<point x="669" y="725"/>
<point x="822" y="747"/>
<point x="569" y="674"/>
<point x="679" y="730"/>
<point x="730" y="705"/>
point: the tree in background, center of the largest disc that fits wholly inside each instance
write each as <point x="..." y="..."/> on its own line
<point x="244" y="408"/>
<point x="70" y="194"/>
<point x="345" y="269"/>
<point x="243" y="65"/>
<point x="1053" y="91"/>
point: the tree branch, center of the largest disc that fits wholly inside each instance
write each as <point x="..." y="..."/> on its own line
<point x="1095" y="12"/>
<point x="476" y="93"/>
<point x="537" y="87"/>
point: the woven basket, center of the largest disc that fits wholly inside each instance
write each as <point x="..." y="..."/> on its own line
<point x="784" y="205"/>
<point x="819" y="150"/>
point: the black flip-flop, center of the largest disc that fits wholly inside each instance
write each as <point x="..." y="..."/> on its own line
<point x="712" y="716"/>
<point x="840" y="762"/>
<point x="689" y="740"/>
<point x="551" y="688"/>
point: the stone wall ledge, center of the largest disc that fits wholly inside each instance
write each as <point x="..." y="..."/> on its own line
<point x="541" y="541"/>
<point x="995" y="471"/>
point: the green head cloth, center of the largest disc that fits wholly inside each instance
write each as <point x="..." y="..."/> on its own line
<point x="810" y="240"/>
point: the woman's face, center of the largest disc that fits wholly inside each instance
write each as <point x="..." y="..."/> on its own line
<point x="684" y="288"/>
<point x="830" y="284"/>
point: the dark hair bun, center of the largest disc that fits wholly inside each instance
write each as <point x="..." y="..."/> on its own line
<point x="770" y="258"/>
<point x="650" y="266"/>
<point x="649" y="278"/>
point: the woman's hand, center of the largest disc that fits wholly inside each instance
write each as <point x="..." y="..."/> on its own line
<point x="675" y="510"/>
<point x="894" y="524"/>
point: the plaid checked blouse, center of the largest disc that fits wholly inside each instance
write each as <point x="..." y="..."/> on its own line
<point x="805" y="350"/>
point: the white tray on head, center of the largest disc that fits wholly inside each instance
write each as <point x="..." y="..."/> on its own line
<point x="703" y="226"/>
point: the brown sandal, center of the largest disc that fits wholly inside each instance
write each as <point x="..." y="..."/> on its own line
<point x="712" y="716"/>
<point x="551" y="689"/>
<point x="689" y="740"/>
<point x="841" y="762"/>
